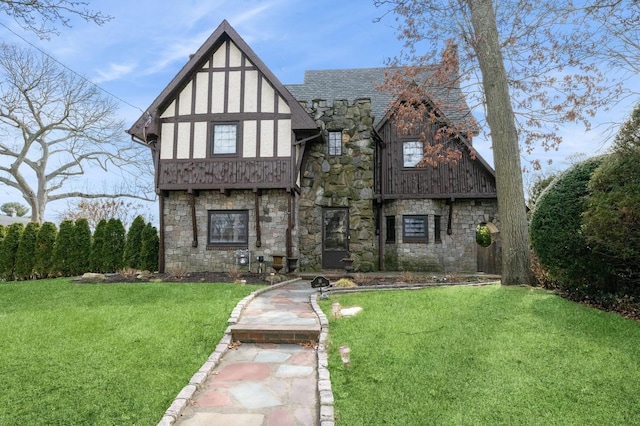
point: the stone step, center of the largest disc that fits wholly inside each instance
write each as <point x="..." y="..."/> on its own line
<point x="275" y="333"/>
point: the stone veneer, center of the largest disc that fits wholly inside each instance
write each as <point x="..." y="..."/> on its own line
<point x="181" y="256"/>
<point x="339" y="181"/>
<point x="454" y="253"/>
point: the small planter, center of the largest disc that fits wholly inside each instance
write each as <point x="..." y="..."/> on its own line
<point x="292" y="264"/>
<point x="348" y="264"/>
<point x="277" y="264"/>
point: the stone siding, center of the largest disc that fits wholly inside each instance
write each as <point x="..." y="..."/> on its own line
<point x="339" y="181"/>
<point x="181" y="256"/>
<point x="456" y="252"/>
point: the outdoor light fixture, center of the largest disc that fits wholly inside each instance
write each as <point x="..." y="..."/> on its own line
<point x="345" y="355"/>
<point x="335" y="309"/>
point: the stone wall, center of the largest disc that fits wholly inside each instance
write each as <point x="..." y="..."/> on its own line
<point x="339" y="181"/>
<point x="456" y="252"/>
<point x="181" y="256"/>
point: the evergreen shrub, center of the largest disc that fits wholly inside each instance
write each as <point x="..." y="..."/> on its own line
<point x="8" y="251"/>
<point x="25" y="257"/>
<point x="45" y="243"/>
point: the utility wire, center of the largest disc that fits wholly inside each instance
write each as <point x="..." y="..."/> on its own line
<point x="69" y="69"/>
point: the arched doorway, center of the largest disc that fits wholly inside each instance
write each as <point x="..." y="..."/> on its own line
<point x="487" y="248"/>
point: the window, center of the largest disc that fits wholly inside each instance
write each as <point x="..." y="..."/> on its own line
<point x="228" y="228"/>
<point x="335" y="143"/>
<point x="437" y="237"/>
<point x="391" y="229"/>
<point x="412" y="152"/>
<point x="414" y="229"/>
<point x="225" y="139"/>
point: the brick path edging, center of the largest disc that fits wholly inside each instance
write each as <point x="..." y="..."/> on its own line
<point x="183" y="399"/>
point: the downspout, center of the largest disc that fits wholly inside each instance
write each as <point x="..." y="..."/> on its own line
<point x="383" y="176"/>
<point x="289" y="243"/>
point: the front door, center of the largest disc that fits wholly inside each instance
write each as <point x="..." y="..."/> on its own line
<point x="335" y="237"/>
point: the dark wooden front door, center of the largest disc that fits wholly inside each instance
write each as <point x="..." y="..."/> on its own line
<point x="335" y="237"/>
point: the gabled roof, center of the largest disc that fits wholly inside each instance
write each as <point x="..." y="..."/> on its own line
<point x="300" y="120"/>
<point x="352" y="84"/>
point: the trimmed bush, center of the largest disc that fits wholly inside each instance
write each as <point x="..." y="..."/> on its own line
<point x="149" y="248"/>
<point x="8" y="251"/>
<point x="113" y="250"/>
<point x="96" y="261"/>
<point x="45" y="243"/>
<point x="62" y="251"/>
<point x="612" y="217"/>
<point x="556" y="229"/>
<point x="25" y="257"/>
<point x="134" y="244"/>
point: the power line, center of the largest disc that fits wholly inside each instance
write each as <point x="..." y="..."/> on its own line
<point x="71" y="70"/>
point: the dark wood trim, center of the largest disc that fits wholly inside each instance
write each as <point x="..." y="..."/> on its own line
<point x="227" y="47"/>
<point x="257" y="194"/>
<point x="445" y="196"/>
<point x="161" y="261"/>
<point x="450" y="218"/>
<point x="194" y="225"/>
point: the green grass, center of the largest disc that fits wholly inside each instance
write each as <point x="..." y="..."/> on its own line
<point x="104" y="354"/>
<point x="488" y="355"/>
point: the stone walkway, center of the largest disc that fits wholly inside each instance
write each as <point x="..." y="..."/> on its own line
<point x="271" y="377"/>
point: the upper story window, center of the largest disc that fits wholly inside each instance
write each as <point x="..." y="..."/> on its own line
<point x="225" y="139"/>
<point x="412" y="152"/>
<point x="415" y="229"/>
<point x="228" y="228"/>
<point x="335" y="143"/>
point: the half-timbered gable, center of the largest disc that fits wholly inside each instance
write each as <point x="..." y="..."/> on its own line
<point x="225" y="122"/>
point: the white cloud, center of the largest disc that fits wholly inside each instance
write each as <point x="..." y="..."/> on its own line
<point x="113" y="72"/>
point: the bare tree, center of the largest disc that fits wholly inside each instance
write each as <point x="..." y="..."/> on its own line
<point x="530" y="64"/>
<point x="96" y="210"/>
<point x="42" y="16"/>
<point x="56" y="126"/>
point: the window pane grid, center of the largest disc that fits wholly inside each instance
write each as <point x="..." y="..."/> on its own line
<point x="414" y="228"/>
<point x="335" y="143"/>
<point x="412" y="153"/>
<point x="228" y="228"/>
<point x="224" y="138"/>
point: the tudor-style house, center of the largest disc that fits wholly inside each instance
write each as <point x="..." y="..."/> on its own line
<point x="248" y="170"/>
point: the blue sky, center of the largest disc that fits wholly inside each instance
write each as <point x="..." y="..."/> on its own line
<point x="136" y="54"/>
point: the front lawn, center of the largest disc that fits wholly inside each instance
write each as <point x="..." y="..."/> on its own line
<point x="104" y="354"/>
<point x="480" y="356"/>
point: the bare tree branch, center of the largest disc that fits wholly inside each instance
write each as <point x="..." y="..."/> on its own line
<point x="58" y="127"/>
<point x="43" y="16"/>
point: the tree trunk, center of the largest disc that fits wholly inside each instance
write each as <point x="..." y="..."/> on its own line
<point x="504" y="137"/>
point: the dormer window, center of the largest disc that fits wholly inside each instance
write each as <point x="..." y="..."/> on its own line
<point x="225" y="139"/>
<point x="335" y="143"/>
<point x="412" y="152"/>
